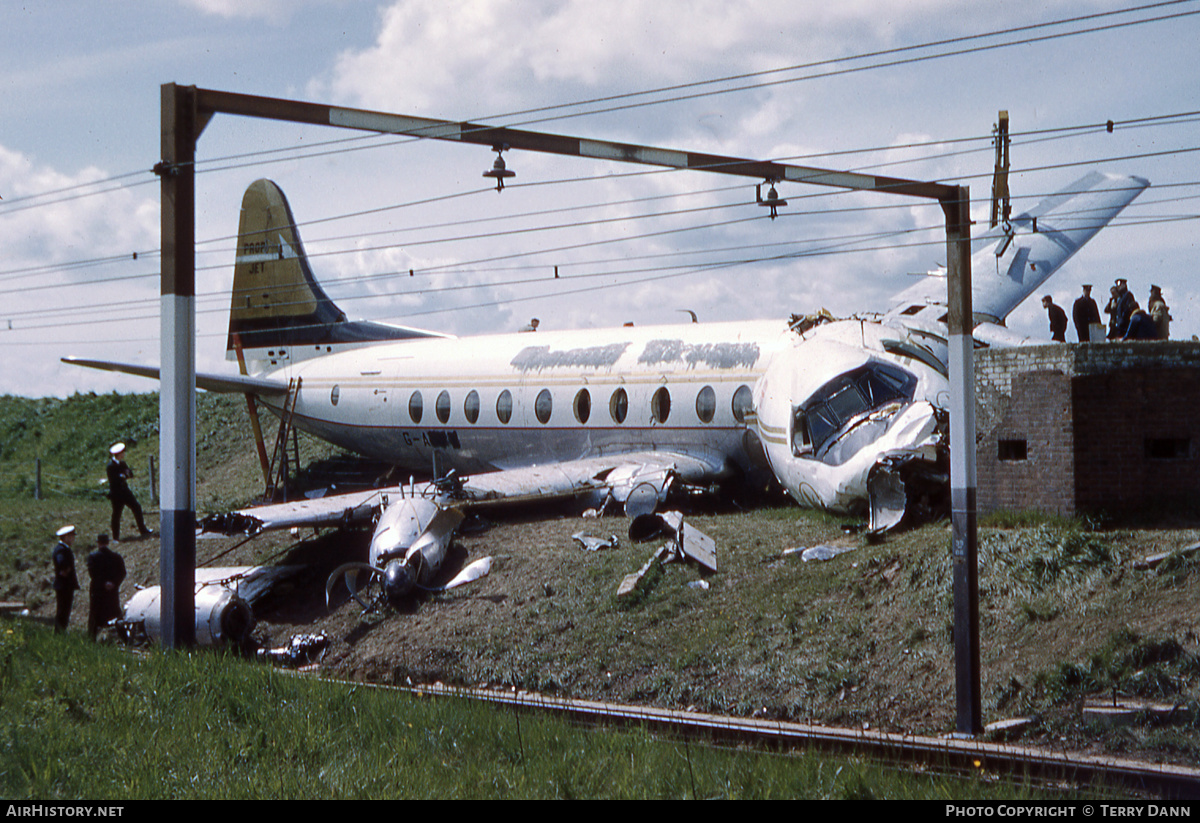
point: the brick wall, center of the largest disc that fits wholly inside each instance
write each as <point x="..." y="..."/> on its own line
<point x="1027" y="460"/>
<point x="1069" y="428"/>
<point x="1137" y="435"/>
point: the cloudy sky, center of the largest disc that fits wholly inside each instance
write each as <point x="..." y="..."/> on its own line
<point x="825" y="84"/>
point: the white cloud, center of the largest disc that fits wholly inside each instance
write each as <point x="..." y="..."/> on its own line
<point x="58" y="311"/>
<point x="482" y="57"/>
<point x="75" y="223"/>
<point x="275" y="11"/>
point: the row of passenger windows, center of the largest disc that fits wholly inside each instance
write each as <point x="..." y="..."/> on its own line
<point x="581" y="407"/>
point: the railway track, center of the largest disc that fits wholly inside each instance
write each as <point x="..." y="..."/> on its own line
<point x="963" y="755"/>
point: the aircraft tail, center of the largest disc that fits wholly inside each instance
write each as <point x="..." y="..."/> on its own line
<point x="278" y="311"/>
<point x="1013" y="260"/>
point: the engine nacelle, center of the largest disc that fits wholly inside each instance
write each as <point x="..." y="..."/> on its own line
<point x="221" y="616"/>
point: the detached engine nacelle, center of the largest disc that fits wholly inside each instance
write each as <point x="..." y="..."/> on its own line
<point x="221" y="616"/>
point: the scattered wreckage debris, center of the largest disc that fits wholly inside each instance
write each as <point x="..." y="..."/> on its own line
<point x="224" y="615"/>
<point x="590" y="543"/>
<point x="301" y="651"/>
<point x="1153" y="561"/>
<point x="630" y="582"/>
<point x="685" y="542"/>
<point x="809" y="553"/>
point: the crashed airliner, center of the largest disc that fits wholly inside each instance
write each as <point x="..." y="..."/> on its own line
<point x="846" y="415"/>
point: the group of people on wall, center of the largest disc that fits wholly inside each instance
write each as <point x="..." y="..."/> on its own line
<point x="1126" y="319"/>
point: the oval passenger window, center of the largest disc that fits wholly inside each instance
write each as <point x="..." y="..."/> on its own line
<point x="543" y="405"/>
<point x="618" y="406"/>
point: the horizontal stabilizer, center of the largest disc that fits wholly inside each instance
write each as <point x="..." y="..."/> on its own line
<point x="221" y="383"/>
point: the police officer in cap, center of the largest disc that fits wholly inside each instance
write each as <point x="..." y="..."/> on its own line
<point x="119" y="493"/>
<point x="65" y="581"/>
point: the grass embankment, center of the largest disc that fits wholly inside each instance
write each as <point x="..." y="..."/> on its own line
<point x="79" y="720"/>
<point x="863" y="639"/>
<point x="71" y="438"/>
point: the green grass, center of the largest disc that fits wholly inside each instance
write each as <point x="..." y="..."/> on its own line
<point x="1151" y="667"/>
<point x="82" y="720"/>
<point x="71" y="438"/>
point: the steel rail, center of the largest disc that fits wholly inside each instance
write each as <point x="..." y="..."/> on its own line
<point x="961" y="754"/>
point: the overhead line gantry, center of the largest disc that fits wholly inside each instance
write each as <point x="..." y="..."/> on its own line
<point x="186" y="110"/>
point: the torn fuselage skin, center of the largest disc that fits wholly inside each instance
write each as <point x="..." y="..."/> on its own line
<point x="850" y="443"/>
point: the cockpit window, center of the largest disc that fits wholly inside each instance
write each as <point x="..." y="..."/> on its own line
<point x="846" y="397"/>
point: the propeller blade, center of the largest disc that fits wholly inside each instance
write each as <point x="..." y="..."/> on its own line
<point x="349" y="572"/>
<point x="469" y="574"/>
<point x="444" y="522"/>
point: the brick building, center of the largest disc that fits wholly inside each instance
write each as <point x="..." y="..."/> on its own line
<point x="1085" y="427"/>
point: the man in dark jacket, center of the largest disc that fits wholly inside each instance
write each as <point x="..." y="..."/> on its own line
<point x="1058" y="320"/>
<point x="118" y="491"/>
<point x="106" y="569"/>
<point x="65" y="582"/>
<point x="1122" y="304"/>
<point x="1085" y="312"/>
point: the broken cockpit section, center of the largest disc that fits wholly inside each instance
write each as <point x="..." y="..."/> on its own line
<point x="870" y="410"/>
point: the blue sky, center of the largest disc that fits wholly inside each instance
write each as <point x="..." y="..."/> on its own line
<point x="79" y="89"/>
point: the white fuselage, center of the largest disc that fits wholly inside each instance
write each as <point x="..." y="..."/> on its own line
<point x="515" y="400"/>
<point x="600" y="385"/>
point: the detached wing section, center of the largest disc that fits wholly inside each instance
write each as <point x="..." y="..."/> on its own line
<point x="638" y="482"/>
<point x="223" y="383"/>
<point x="1011" y="261"/>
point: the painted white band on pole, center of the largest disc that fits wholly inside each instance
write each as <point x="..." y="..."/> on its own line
<point x="962" y="411"/>
<point x="178" y="401"/>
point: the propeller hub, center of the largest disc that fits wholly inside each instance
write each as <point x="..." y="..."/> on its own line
<point x="398" y="581"/>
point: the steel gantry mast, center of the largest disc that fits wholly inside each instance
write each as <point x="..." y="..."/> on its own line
<point x="187" y="109"/>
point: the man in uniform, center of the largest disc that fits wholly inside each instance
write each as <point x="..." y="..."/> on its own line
<point x="119" y="493"/>
<point x="1085" y="312"/>
<point x="65" y="581"/>
<point x="106" y="569"/>
<point x="1058" y="320"/>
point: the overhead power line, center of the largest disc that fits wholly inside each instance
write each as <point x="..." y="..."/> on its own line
<point x="342" y="144"/>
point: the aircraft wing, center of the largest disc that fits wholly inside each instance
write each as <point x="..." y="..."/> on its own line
<point x="1011" y="261"/>
<point x="222" y="383"/>
<point x="637" y="481"/>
